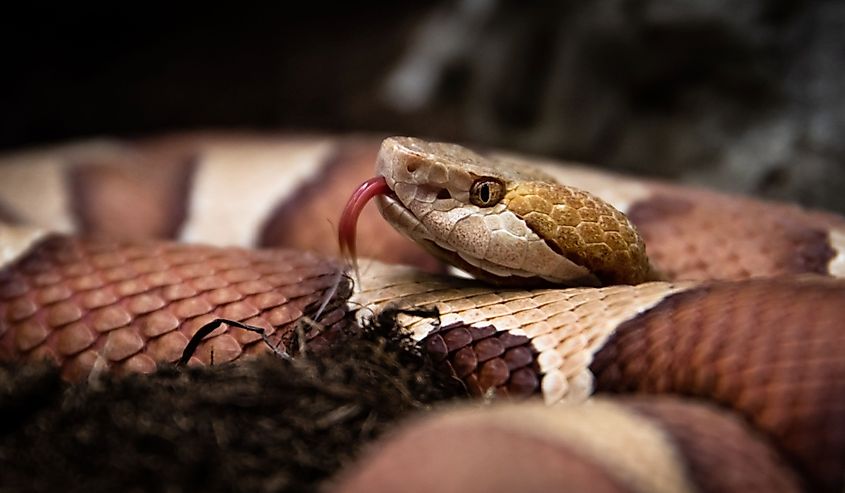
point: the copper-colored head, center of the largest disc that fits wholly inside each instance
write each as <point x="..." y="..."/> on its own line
<point x="503" y="222"/>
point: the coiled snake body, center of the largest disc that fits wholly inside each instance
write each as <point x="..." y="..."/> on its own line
<point x="739" y="312"/>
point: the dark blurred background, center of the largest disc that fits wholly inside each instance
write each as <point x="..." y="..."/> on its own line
<point x="745" y="96"/>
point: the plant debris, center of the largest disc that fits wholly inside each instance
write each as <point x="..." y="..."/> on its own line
<point x="267" y="424"/>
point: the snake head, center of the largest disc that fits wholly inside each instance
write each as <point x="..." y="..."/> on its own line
<point x="502" y="222"/>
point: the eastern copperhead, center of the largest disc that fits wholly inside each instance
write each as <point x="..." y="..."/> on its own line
<point x="748" y="328"/>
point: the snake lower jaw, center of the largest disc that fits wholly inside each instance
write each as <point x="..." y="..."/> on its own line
<point x="400" y="217"/>
<point x="527" y="281"/>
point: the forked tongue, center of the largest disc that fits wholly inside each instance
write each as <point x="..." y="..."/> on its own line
<point x="349" y="217"/>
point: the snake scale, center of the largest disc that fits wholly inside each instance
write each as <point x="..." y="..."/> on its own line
<point x="723" y="371"/>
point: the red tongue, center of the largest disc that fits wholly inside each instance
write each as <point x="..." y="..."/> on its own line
<point x="349" y="216"/>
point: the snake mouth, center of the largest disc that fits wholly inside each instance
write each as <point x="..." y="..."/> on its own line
<point x="394" y="211"/>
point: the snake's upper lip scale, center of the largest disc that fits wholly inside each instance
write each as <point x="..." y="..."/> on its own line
<point x="349" y="217"/>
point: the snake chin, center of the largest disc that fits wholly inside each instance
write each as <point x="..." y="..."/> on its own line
<point x="527" y="280"/>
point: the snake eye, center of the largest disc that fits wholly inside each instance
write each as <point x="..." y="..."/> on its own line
<point x="486" y="192"/>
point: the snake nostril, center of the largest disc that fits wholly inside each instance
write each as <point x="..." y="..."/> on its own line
<point x="444" y="194"/>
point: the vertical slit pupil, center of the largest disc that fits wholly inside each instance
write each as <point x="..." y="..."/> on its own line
<point x="484" y="193"/>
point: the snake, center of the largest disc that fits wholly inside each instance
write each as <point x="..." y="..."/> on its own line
<point x="649" y="336"/>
